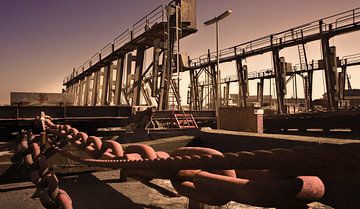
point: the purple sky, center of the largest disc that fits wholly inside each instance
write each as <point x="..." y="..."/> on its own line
<point x="41" y="40"/>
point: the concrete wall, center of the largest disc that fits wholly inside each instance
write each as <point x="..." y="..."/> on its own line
<point x="240" y="119"/>
<point x="40" y="99"/>
<point x="232" y="141"/>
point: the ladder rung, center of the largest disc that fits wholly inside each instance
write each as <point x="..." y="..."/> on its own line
<point x="188" y="127"/>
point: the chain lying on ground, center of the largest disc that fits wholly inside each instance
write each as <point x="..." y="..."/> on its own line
<point x="204" y="174"/>
<point x="32" y="149"/>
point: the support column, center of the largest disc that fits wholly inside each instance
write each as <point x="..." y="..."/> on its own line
<point x="280" y="80"/>
<point x="95" y="89"/>
<point x="243" y="83"/>
<point x="227" y="93"/>
<point x="329" y="57"/>
<point x="87" y="90"/>
<point x="81" y="92"/>
<point x="76" y="92"/>
<point x="342" y="81"/>
<point x="119" y="80"/>
<point x="129" y="77"/>
<point x="260" y="92"/>
<point x="105" y="86"/>
<point x="308" y="89"/>
<point x="201" y="97"/>
<point x="156" y="57"/>
<point x="138" y="75"/>
<point x="193" y="104"/>
<point x="111" y="92"/>
<point x="214" y="85"/>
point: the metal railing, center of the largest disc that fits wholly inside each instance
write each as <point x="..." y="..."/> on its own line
<point x="156" y="16"/>
<point x="338" y="21"/>
<point x="314" y="65"/>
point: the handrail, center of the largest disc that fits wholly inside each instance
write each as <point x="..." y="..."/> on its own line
<point x="106" y="50"/>
<point x="348" y="59"/>
<point x="121" y="39"/>
<point x="95" y="58"/>
<point x="152" y="18"/>
<point x="338" y="20"/>
<point x="149" y="20"/>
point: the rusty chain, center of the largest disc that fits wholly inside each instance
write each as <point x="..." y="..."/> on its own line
<point x="202" y="174"/>
<point x="47" y="184"/>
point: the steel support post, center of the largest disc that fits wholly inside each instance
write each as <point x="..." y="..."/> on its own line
<point x="260" y="92"/>
<point x="308" y="95"/>
<point x="128" y="79"/>
<point x="214" y="83"/>
<point x="163" y="90"/>
<point x="306" y="92"/>
<point x="111" y="85"/>
<point x="243" y="83"/>
<point x="342" y="81"/>
<point x="201" y="98"/>
<point x="227" y="93"/>
<point x="193" y="103"/>
<point x="95" y="89"/>
<point x="87" y="90"/>
<point x="81" y="92"/>
<point x="140" y="53"/>
<point x="329" y="66"/>
<point x="105" y="85"/>
<point x="119" y="80"/>
<point x="156" y="58"/>
<point x="280" y="80"/>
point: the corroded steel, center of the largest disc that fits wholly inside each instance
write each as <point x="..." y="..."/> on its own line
<point x="192" y="169"/>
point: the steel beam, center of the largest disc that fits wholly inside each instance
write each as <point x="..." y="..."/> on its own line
<point x="260" y="92"/>
<point x="280" y="80"/>
<point x="243" y="83"/>
<point x="329" y="58"/>
<point x="105" y="85"/>
<point x="119" y="80"/>
<point x="140" y="54"/>
<point x="96" y="88"/>
<point x="156" y="58"/>
<point x="87" y="89"/>
<point x="342" y="81"/>
<point x="214" y="82"/>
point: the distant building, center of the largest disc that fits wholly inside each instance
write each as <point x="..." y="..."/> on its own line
<point x="292" y="105"/>
<point x="351" y="99"/>
<point x="40" y="99"/>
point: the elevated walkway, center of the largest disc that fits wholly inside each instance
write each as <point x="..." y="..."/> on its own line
<point x="331" y="26"/>
<point x="143" y="33"/>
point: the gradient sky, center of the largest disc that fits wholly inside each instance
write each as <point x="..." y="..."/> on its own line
<point x="41" y="40"/>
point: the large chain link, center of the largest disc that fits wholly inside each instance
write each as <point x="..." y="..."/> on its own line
<point x="202" y="174"/>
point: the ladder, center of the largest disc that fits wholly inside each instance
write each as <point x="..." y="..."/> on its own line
<point x="185" y="121"/>
<point x="302" y="52"/>
<point x="181" y="120"/>
<point x="174" y="97"/>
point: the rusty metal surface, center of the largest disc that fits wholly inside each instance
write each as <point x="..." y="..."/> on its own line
<point x="295" y="187"/>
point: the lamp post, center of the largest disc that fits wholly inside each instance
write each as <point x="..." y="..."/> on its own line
<point x="216" y="20"/>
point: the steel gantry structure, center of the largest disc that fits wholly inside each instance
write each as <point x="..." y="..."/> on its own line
<point x="321" y="30"/>
<point x="115" y="76"/>
<point x="110" y="78"/>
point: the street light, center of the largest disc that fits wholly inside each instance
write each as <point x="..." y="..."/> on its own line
<point x="216" y="20"/>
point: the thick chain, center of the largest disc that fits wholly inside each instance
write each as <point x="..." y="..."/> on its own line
<point x="202" y="174"/>
<point x="47" y="184"/>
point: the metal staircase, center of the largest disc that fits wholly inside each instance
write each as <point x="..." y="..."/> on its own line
<point x="302" y="52"/>
<point x="185" y="121"/>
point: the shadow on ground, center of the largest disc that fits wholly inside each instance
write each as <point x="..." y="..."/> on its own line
<point x="88" y="192"/>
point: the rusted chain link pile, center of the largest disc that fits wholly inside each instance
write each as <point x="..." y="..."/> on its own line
<point x="202" y="174"/>
<point x="31" y="147"/>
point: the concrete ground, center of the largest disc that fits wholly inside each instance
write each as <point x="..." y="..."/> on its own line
<point x="103" y="190"/>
